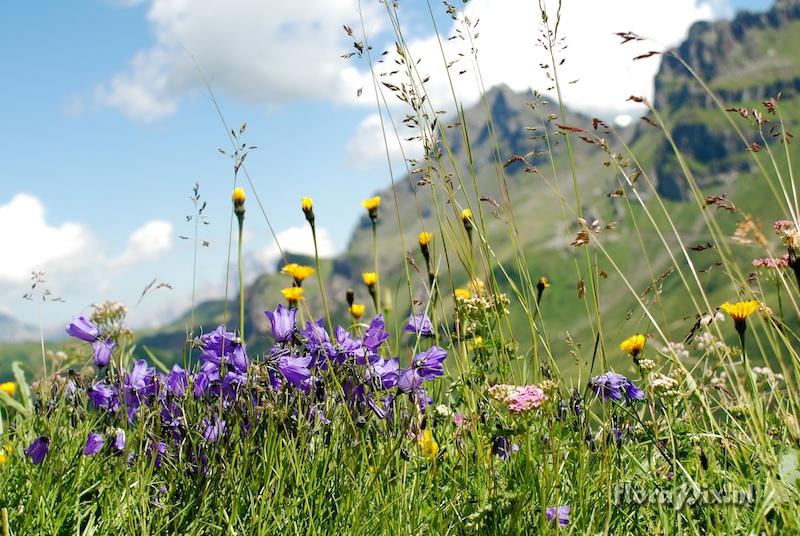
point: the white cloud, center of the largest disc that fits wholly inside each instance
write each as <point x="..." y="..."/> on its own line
<point x="367" y="146"/>
<point x="262" y="51"/>
<point x="146" y="242"/>
<point x="507" y="52"/>
<point x="30" y="243"/>
<point x="292" y="240"/>
<point x="69" y="254"/>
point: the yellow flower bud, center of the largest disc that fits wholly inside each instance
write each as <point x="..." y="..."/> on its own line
<point x="428" y="445"/>
<point x="307" y="204"/>
<point x="425" y="238"/>
<point x="463" y="293"/>
<point x="633" y="346"/>
<point x="298" y="272"/>
<point x="238" y="196"/>
<point x="292" y="294"/>
<point x="372" y="205"/>
<point x="357" y="310"/>
<point x="370" y="278"/>
<point x="9" y="388"/>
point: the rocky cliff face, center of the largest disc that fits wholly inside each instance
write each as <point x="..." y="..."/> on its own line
<point x="744" y="61"/>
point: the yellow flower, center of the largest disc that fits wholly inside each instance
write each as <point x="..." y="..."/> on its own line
<point x="425" y="238"/>
<point x="297" y="271"/>
<point x="370" y="278"/>
<point x="9" y="388"/>
<point x="357" y="310"/>
<point x="5" y="453"/>
<point x="463" y="293"/>
<point x="633" y="346"/>
<point x="543" y="282"/>
<point x="372" y="203"/>
<point x="238" y="196"/>
<point x="466" y="214"/>
<point x="292" y="294"/>
<point x="308" y="209"/>
<point x="428" y="445"/>
<point x="739" y="311"/>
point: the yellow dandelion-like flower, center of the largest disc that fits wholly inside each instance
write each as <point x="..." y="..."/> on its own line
<point x="298" y="272"/>
<point x="543" y="283"/>
<point x="9" y="388"/>
<point x="5" y="453"/>
<point x="307" y="204"/>
<point x="466" y="214"/>
<point x="370" y="278"/>
<point x="428" y="445"/>
<point x="372" y="203"/>
<point x="425" y="238"/>
<point x="463" y="293"/>
<point x="633" y="346"/>
<point x="739" y="311"/>
<point x="357" y="310"/>
<point x="238" y="196"/>
<point x="292" y="294"/>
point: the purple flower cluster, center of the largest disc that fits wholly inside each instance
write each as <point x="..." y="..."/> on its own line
<point x="84" y="329"/>
<point x="230" y="391"/>
<point x="613" y="386"/>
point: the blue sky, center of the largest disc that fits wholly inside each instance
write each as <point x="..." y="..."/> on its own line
<point x="107" y="127"/>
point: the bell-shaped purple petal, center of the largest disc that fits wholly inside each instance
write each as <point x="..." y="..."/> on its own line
<point x="295" y="369"/>
<point x="632" y="392"/>
<point x="103" y="396"/>
<point x="94" y="443"/>
<point x="386" y="371"/>
<point x="430" y="363"/>
<point x="118" y="441"/>
<point x="419" y="324"/>
<point x="408" y="380"/>
<point x="613" y="386"/>
<point x="376" y="334"/>
<point x="558" y="514"/>
<point x="102" y="352"/>
<point x="38" y="449"/>
<point x="84" y="329"/>
<point x="212" y="430"/>
<point x="176" y="381"/>
<point x="283" y="322"/>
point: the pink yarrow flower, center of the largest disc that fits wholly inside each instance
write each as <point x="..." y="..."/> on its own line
<point x="518" y="399"/>
<point x="771" y="262"/>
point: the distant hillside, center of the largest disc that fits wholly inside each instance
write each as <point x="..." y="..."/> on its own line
<point x="12" y="330"/>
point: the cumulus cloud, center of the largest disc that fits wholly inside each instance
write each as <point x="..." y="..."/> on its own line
<point x="261" y="51"/>
<point x="603" y="71"/>
<point x="146" y="242"/>
<point x="367" y="146"/>
<point x="69" y="253"/>
<point x="293" y="240"/>
<point x="30" y="243"/>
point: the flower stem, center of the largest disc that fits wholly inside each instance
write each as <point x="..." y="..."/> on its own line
<point x="319" y="280"/>
<point x="376" y="298"/>
<point x="241" y="279"/>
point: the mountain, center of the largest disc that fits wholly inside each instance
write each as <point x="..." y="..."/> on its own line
<point x="745" y="61"/>
<point x="12" y="330"/>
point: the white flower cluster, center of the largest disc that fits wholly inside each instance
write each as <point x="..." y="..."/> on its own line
<point x="768" y="374"/>
<point x="708" y="342"/>
<point x="678" y="349"/>
<point x="665" y="385"/>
